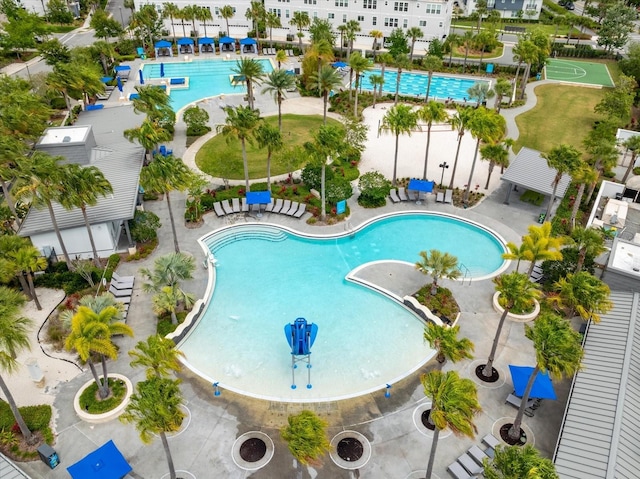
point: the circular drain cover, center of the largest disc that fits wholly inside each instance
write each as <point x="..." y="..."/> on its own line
<point x="350" y="449"/>
<point x="253" y="449"/>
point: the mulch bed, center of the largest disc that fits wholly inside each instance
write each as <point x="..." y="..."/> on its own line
<point x="424" y="418"/>
<point x="504" y="434"/>
<point x="495" y="375"/>
<point x="28" y="452"/>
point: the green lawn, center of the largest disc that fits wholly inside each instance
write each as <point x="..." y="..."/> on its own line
<point x="563" y="114"/>
<point x="224" y="160"/>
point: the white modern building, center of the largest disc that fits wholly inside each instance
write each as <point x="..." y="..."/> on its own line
<point x="526" y="9"/>
<point x="433" y="17"/>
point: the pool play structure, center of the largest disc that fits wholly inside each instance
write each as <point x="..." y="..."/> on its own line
<point x="415" y="84"/>
<point x="263" y="276"/>
<point x="200" y="79"/>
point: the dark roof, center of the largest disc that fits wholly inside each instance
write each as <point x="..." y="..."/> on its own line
<point x="531" y="171"/>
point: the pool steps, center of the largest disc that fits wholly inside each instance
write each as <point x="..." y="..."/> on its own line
<point x="225" y="237"/>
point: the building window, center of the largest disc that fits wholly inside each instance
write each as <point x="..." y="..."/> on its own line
<point x="361" y="18"/>
<point x="217" y="12"/>
<point x="440" y="24"/>
<point x="391" y="22"/>
<point x="433" y="8"/>
<point x="531" y="6"/>
<point x="342" y="3"/>
<point x="401" y="6"/>
<point x="286" y="14"/>
<point x="405" y="23"/>
<point x="310" y="2"/>
<point x="370" y="4"/>
<point x="374" y="21"/>
<point x="344" y="18"/>
<point x="422" y="23"/>
<point x="491" y="4"/>
<point x="331" y="16"/>
<point x="315" y="14"/>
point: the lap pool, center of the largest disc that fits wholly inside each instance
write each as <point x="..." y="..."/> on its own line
<point x="266" y="276"/>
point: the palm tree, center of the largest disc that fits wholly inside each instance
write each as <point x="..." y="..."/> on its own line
<point x="12" y="154"/>
<point x="155" y="411"/>
<point x="485" y="125"/>
<point x="97" y="304"/>
<point x="171" y="10"/>
<point x="413" y="34"/>
<point x="564" y="159"/>
<point x="342" y="30"/>
<point x="584" y="175"/>
<point x="227" y="12"/>
<point x="272" y="20"/>
<point x="515" y="252"/>
<point x="164" y="175"/>
<point x="240" y="123"/>
<point x="281" y="57"/>
<point x="496" y="154"/>
<point x="300" y="20"/>
<point x="353" y="27"/>
<point x="632" y="144"/>
<point x="28" y="260"/>
<point x="321" y="52"/>
<point x="481" y="92"/>
<point x="482" y="40"/>
<point x="168" y="270"/>
<point x="384" y="59"/>
<point x="432" y="112"/>
<point x="584" y="294"/>
<point x="190" y="12"/>
<point x="202" y="15"/>
<point x="438" y="265"/>
<point x="358" y="65"/>
<point x="466" y="40"/>
<point x="158" y="355"/>
<point x="519" y="462"/>
<point x="453" y="41"/>
<point x="376" y="81"/>
<point x="256" y="13"/>
<point x="155" y="104"/>
<point x="148" y="135"/>
<point x="14" y="337"/>
<point x="168" y="300"/>
<point x="91" y="333"/>
<point x="454" y="403"/>
<point x="460" y="121"/>
<point x="325" y="80"/>
<point x="306" y="438"/>
<point x="270" y="138"/>
<point x="83" y="187"/>
<point x="377" y="35"/>
<point x="502" y="88"/>
<point x="589" y="242"/>
<point x="252" y="72"/>
<point x="398" y="120"/>
<point x="41" y="184"/>
<point x="444" y="340"/>
<point x="182" y="14"/>
<point x="9" y="269"/>
<point x="401" y="62"/>
<point x="558" y="351"/>
<point x="430" y="63"/>
<point x="540" y="245"/>
<point x="516" y="291"/>
<point x="277" y="83"/>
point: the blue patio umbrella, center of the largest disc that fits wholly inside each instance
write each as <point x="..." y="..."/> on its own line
<point x="141" y="77"/>
<point x="420" y="185"/>
<point x="161" y="70"/>
<point x="339" y="64"/>
<point x="119" y="83"/>
<point x="542" y="386"/>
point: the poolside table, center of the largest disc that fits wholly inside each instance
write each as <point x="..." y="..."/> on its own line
<point x="423" y="186"/>
<point x="258" y="198"/>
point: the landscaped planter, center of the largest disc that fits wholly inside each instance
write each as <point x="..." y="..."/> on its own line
<point x="252" y="450"/>
<point x="521" y="318"/>
<point x="106" y="416"/>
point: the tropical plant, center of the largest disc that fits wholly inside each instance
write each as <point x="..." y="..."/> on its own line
<point x="281" y="57"/>
<point x="300" y="20"/>
<point x="460" y="122"/>
<point x="430" y="63"/>
<point x="402" y="62"/>
<point x="240" y="123"/>
<point x="589" y="242"/>
<point x="516" y="291"/>
<point x="584" y="175"/>
<point x="495" y="154"/>
<point x="632" y="144"/>
<point x="515" y="253"/>
<point x="164" y="175"/>
<point x="466" y="40"/>
<point x="584" y="294"/>
<point x="14" y="338"/>
<point x="154" y="409"/>
<point x="398" y="120"/>
<point x="12" y="154"/>
<point x="202" y="14"/>
<point x="432" y="112"/>
<point x="541" y="246"/>
<point x="168" y="300"/>
<point x="28" y="259"/>
<point x="384" y="59"/>
<point x="376" y="82"/>
<point x="454" y="403"/>
<point x="9" y="269"/>
<point x="353" y="27"/>
<point x="148" y="135"/>
<point x="306" y="438"/>
<point x="438" y="265"/>
<point x="564" y="159"/>
<point x="227" y="12"/>
<point x="502" y="88"/>
<point x="481" y="92"/>
<point x="156" y="105"/>
<point x="325" y="80"/>
<point x="91" y="333"/>
<point x="269" y="137"/>
<point x="413" y="34"/>
<point x="558" y="351"/>
<point x="444" y="340"/>
<point x="252" y="72"/>
<point x="519" y="462"/>
<point x="377" y="35"/>
<point x="277" y="83"/>
<point x="168" y="270"/>
<point x="358" y="65"/>
<point x="158" y="355"/>
<point x="452" y="42"/>
<point x="171" y="11"/>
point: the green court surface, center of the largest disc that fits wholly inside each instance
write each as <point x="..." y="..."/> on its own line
<point x="574" y="71"/>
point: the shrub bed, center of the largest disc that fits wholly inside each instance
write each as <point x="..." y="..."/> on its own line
<point x="90" y="401"/>
<point x="442" y="304"/>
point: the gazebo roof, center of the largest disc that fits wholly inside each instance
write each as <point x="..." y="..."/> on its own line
<point x="531" y="171"/>
<point x="205" y="41"/>
<point x="248" y="41"/>
<point x="227" y="40"/>
<point x="163" y="44"/>
<point x="185" y="41"/>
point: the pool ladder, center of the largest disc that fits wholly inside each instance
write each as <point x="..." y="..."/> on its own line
<point x="466" y="274"/>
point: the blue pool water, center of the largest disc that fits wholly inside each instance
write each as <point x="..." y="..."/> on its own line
<point x="266" y="277"/>
<point x="206" y="78"/>
<point x="442" y="87"/>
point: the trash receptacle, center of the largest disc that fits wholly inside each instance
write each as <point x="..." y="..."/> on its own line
<point x="48" y="455"/>
<point x="542" y="217"/>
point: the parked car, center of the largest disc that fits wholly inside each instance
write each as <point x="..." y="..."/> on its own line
<point x="570" y="6"/>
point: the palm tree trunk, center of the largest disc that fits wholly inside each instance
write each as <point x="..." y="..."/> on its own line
<point x="355" y="104"/>
<point x="397" y="86"/>
<point x="167" y="452"/>
<point x="250" y="93"/>
<point x="473" y="167"/>
<point x="592" y="188"/>
<point x="455" y="162"/>
<point x="351" y="83"/>
<point x="322" y="188"/>
<point x="280" y="112"/>
<point x="26" y="432"/>
<point x="59" y="236"/>
<point x="514" y="432"/>
<point x="630" y="168"/>
<point x="246" y="165"/>
<point x="426" y="97"/>
<point x="374" y="96"/>
<point x="173" y="224"/>
<point x="395" y="160"/>
<point x="525" y="78"/>
<point x="426" y="153"/>
<point x="576" y="204"/>
<point x="23" y="284"/>
<point x="10" y="202"/>
<point x="94" y="373"/>
<point x="32" y="290"/>
<point x="96" y="260"/>
<point x="432" y="454"/>
<point x="551" y="200"/>
<point x="104" y="390"/>
<point x="324" y="113"/>
<point x="488" y="368"/>
<point x="491" y="166"/>
<point x="382" y="68"/>
<point x="174" y="318"/>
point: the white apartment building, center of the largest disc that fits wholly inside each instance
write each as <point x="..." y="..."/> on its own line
<point x="508" y="8"/>
<point x="433" y="17"/>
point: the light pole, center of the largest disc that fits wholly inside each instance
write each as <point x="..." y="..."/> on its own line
<point x="444" y="166"/>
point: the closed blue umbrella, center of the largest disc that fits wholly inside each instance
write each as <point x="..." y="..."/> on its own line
<point x="141" y="77"/>
<point x="161" y="70"/>
<point x="119" y="84"/>
<point x="339" y="64"/>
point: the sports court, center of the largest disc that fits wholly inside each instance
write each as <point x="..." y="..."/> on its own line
<point x="588" y="73"/>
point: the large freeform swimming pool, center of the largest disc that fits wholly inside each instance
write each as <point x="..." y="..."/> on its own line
<point x="207" y="78"/>
<point x="415" y="84"/>
<point x="267" y="276"/>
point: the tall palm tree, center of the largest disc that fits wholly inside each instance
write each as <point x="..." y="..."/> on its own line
<point x="325" y="80"/>
<point x="306" y="438"/>
<point x="270" y="138"/>
<point x="482" y="40"/>
<point x="402" y="62"/>
<point x="158" y="355"/>
<point x="444" y="340"/>
<point x="28" y="260"/>
<point x="300" y="20"/>
<point x="564" y="159"/>
<point x="495" y="154"/>
<point x="203" y="15"/>
<point x="584" y="175"/>
<point x="227" y="12"/>
<point x="377" y="36"/>
<point x="155" y="411"/>
<point x="584" y="294"/>
<point x="342" y="30"/>
<point x="460" y="122"/>
<point x="510" y="462"/>
<point x="256" y="13"/>
<point x="252" y="71"/>
<point x="240" y="123"/>
<point x="9" y="269"/>
<point x="14" y="338"/>
<point x="155" y="104"/>
<point x="502" y="88"/>
<point x="515" y="252"/>
<point x="321" y="52"/>
<point x="454" y="403"/>
<point x="358" y="65"/>
<point x="589" y="242"/>
<point x="438" y="265"/>
<point x="164" y="175"/>
<point x="171" y="11"/>
<point x="169" y="299"/>
<point x="541" y="246"/>
<point x="183" y="14"/>
<point x="376" y="82"/>
<point x="430" y="63"/>
<point x="148" y="135"/>
<point x="516" y="291"/>
<point x="353" y="27"/>
<point x="281" y="57"/>
<point x="168" y="270"/>
<point x="190" y="12"/>
<point x="558" y="351"/>
<point x="399" y="120"/>
<point x="91" y="334"/>
<point x="481" y="92"/>
<point x="466" y="40"/>
<point x="632" y="144"/>
<point x="432" y="112"/>
<point x="12" y="154"/>
<point x="41" y="184"/>
<point x="413" y="34"/>
<point x="83" y="187"/>
<point x="452" y="42"/>
<point x="272" y="20"/>
<point x="277" y="83"/>
<point x="384" y="59"/>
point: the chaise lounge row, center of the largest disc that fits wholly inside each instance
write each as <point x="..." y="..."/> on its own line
<point x="469" y="465"/>
<point x="446" y="197"/>
<point x="121" y="289"/>
<point x="402" y="194"/>
<point x="287" y="207"/>
<point x="237" y="205"/>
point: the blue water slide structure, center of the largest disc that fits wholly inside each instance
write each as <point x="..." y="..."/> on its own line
<point x="300" y="336"/>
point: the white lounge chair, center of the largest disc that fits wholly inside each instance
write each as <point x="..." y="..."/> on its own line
<point x="245" y="206"/>
<point x="122" y="279"/>
<point x="458" y="471"/>
<point x="217" y="207"/>
<point x="393" y="194"/>
<point x="226" y="207"/>
<point x="235" y="205"/>
<point x="470" y="465"/>
<point x="477" y="454"/>
<point x="402" y="194"/>
<point x="448" y="196"/>
<point x="294" y="207"/>
<point x="301" y="210"/>
<point x="122" y="299"/>
<point x="491" y="441"/>
<point x="440" y="197"/>
<point x="286" y="205"/>
<point x="120" y="293"/>
<point x="277" y="207"/>
<point x="269" y="207"/>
